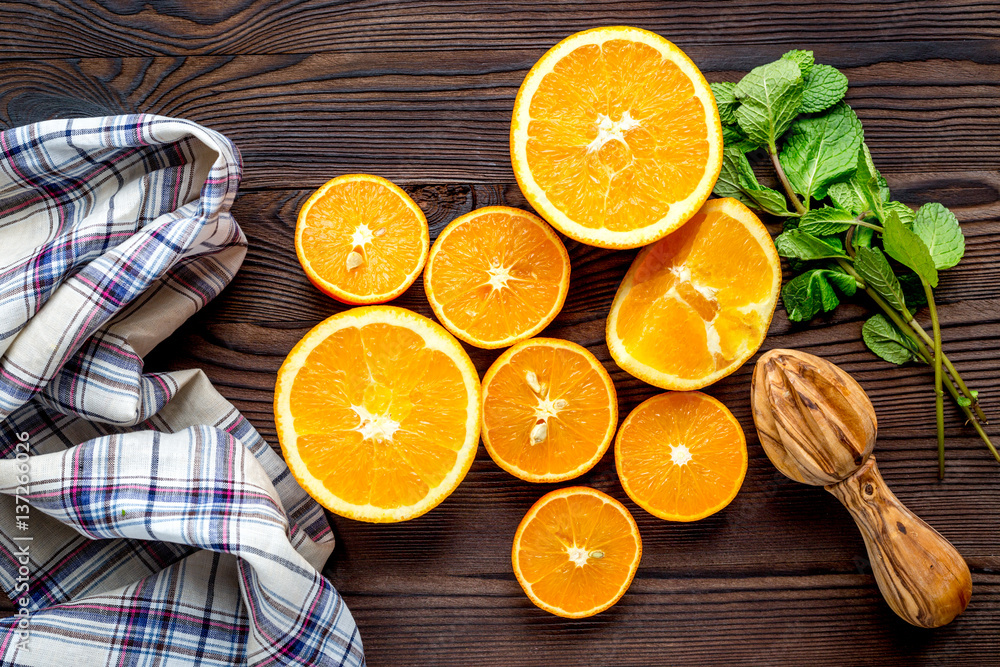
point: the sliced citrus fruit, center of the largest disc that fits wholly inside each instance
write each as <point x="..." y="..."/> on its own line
<point x="576" y="552"/>
<point x="615" y="137"/>
<point x="696" y="305"/>
<point x="496" y="276"/>
<point x="377" y="411"/>
<point x="361" y="239"/>
<point x="681" y="456"/>
<point x="549" y="410"/>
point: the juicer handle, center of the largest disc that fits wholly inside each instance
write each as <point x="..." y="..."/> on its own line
<point x="921" y="575"/>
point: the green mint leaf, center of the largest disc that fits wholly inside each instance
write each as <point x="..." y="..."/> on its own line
<point x="827" y="220"/>
<point x="870" y="183"/>
<point x="908" y="249"/>
<point x="884" y="339"/>
<point x="824" y="87"/>
<point x="797" y="244"/>
<point x="804" y="60"/>
<point x="769" y="98"/>
<point x="732" y="135"/>
<point x="938" y="228"/>
<point x="862" y="237"/>
<point x="848" y="196"/>
<point x="821" y="150"/>
<point x="904" y="212"/>
<point x="875" y="270"/>
<point x="810" y="293"/>
<point x="737" y="180"/>
<point x="725" y="100"/>
<point x="964" y="402"/>
<point x="913" y="290"/>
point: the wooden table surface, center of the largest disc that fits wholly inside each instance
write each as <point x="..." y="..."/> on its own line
<point x="421" y="92"/>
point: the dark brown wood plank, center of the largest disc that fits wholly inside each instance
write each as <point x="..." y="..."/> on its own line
<point x="443" y="117"/>
<point x="68" y="28"/>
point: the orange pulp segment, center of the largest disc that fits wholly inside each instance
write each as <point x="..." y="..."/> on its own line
<point x="696" y="305"/>
<point x="549" y="410"/>
<point x="496" y="276"/>
<point x="681" y="456"/>
<point x="615" y="137"/>
<point x="377" y="412"/>
<point x="576" y="552"/>
<point x="361" y="239"/>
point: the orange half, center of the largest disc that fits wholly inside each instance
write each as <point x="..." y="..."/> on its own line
<point x="377" y="412"/>
<point x="696" y="305"/>
<point x="361" y="239"/>
<point x="681" y="456"/>
<point x="576" y="552"/>
<point x="549" y="410"/>
<point x="496" y="276"/>
<point x="615" y="137"/>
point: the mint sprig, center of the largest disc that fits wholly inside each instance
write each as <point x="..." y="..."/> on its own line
<point x="843" y="231"/>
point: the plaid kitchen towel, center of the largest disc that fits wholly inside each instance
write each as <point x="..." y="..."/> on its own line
<point x="143" y="520"/>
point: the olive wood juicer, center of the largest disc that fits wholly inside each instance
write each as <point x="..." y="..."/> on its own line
<point x="818" y="427"/>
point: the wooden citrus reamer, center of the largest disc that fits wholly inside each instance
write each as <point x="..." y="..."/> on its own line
<point x="818" y="427"/>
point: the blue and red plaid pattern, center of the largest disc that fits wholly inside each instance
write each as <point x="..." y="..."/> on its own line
<point x="163" y="530"/>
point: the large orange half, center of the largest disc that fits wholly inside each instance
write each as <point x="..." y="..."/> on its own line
<point x="615" y="137"/>
<point x="576" y="552"/>
<point x="549" y="410"/>
<point x="681" y="456"/>
<point x="496" y="276"/>
<point x="696" y="305"/>
<point x="377" y="411"/>
<point x="361" y="239"/>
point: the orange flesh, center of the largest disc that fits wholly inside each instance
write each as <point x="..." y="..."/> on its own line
<point x="369" y="218"/>
<point x="682" y="314"/>
<point x="586" y="522"/>
<point x="681" y="456"/>
<point x="617" y="135"/>
<point x="526" y="266"/>
<point x="576" y="432"/>
<point x="380" y="417"/>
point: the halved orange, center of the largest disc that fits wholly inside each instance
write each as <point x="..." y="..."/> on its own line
<point x="377" y="412"/>
<point x="361" y="239"/>
<point x="496" y="276"/>
<point x="681" y="456"/>
<point x="549" y="410"/>
<point x="576" y="552"/>
<point x="615" y="137"/>
<point x="696" y="305"/>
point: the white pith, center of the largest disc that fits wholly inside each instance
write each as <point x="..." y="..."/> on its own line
<point x="680" y="455"/>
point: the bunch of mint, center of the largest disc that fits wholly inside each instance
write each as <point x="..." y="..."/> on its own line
<point x="843" y="232"/>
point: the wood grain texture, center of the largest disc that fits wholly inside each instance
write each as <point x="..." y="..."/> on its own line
<point x="444" y="116"/>
<point x="69" y="28"/>
<point x="420" y="92"/>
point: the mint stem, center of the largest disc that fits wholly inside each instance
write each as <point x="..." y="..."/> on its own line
<point x="925" y="353"/>
<point x="951" y="371"/>
<point x="799" y="208"/>
<point x="970" y="417"/>
<point x="938" y="393"/>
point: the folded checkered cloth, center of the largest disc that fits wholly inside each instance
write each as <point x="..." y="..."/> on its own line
<point x="151" y="524"/>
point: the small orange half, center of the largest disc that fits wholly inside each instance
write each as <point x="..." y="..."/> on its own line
<point x="377" y="412"/>
<point x="615" y="137"/>
<point x="496" y="276"/>
<point x="696" y="305"/>
<point x="681" y="456"/>
<point x="549" y="410"/>
<point x="361" y="239"/>
<point x="576" y="552"/>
